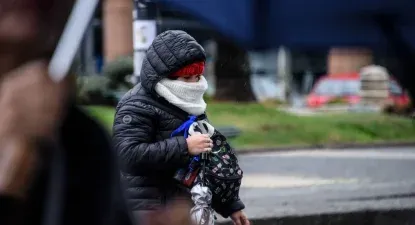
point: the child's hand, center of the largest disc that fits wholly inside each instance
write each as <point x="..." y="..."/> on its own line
<point x="199" y="143"/>
<point x="239" y="218"/>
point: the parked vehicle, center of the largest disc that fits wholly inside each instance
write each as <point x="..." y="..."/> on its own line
<point x="345" y="88"/>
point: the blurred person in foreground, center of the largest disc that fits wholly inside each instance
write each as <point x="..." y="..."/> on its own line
<point x="36" y="113"/>
<point x="171" y="90"/>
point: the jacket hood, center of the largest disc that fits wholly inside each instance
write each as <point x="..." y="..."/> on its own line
<point x="170" y="51"/>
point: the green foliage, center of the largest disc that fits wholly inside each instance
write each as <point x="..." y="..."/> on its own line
<point x="208" y="98"/>
<point x="103" y="89"/>
<point x="337" y="101"/>
<point x="118" y="71"/>
<point x="94" y="90"/>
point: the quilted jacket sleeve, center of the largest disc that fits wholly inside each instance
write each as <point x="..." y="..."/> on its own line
<point x="226" y="210"/>
<point x="134" y="139"/>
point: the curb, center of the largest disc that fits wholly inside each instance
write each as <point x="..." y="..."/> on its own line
<point x="349" y="146"/>
<point x="378" y="217"/>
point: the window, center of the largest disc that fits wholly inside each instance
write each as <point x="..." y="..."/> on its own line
<point x="331" y="87"/>
<point x="394" y="88"/>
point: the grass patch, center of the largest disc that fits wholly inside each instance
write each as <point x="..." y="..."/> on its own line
<point x="103" y="114"/>
<point x="263" y="126"/>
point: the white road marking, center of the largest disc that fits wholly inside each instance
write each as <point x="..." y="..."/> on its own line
<point x="368" y="154"/>
<point x="271" y="181"/>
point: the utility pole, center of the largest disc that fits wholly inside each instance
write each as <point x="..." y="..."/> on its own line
<point x="284" y="71"/>
<point x="144" y="32"/>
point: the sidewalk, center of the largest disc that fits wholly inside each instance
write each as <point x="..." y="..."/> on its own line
<point x="304" y="111"/>
<point x="327" y="185"/>
<point x="345" y="146"/>
<point x="380" y="217"/>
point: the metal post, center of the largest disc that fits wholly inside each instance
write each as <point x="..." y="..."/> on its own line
<point x="284" y="71"/>
<point x="88" y="50"/>
<point x="144" y="32"/>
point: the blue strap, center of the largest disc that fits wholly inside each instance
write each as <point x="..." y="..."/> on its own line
<point x="184" y="128"/>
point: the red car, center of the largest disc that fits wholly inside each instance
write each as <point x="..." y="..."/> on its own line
<point x="345" y="88"/>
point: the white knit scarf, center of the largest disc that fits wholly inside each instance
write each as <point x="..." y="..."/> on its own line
<point x="188" y="96"/>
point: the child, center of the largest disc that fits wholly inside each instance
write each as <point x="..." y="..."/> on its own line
<point x="171" y="90"/>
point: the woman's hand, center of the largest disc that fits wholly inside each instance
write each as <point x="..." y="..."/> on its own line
<point x="239" y="218"/>
<point x="199" y="143"/>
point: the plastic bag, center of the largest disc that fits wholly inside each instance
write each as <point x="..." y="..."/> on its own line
<point x="202" y="213"/>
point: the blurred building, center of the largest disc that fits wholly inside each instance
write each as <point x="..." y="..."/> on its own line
<point x="346" y="60"/>
<point x="111" y="36"/>
<point x="108" y="37"/>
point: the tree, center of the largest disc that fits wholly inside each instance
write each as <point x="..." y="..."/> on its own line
<point x="232" y="72"/>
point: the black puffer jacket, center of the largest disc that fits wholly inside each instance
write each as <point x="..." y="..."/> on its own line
<point x="149" y="156"/>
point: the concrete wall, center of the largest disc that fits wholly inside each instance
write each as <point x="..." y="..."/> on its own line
<point x="117" y="28"/>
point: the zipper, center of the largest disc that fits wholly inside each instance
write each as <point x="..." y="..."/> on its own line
<point x="235" y="177"/>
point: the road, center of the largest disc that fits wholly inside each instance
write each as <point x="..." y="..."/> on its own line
<point x="322" y="181"/>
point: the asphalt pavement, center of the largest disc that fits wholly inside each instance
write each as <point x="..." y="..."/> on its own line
<point x="312" y="182"/>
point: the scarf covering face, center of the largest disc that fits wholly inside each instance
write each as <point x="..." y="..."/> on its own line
<point x="188" y="96"/>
